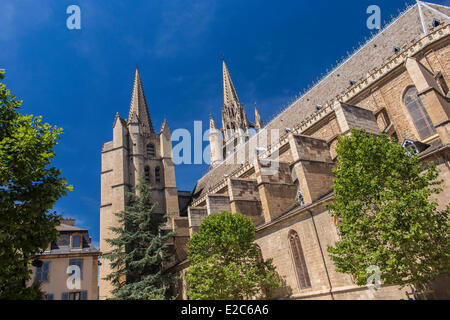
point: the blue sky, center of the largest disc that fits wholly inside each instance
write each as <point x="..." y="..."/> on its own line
<point x="79" y="79"/>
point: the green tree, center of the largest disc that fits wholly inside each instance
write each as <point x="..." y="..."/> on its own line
<point x="29" y="188"/>
<point x="386" y="215"/>
<point x="140" y="250"/>
<point x="225" y="263"/>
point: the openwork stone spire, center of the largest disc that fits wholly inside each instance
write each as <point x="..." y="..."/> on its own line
<point x="138" y="106"/>
<point x="230" y="97"/>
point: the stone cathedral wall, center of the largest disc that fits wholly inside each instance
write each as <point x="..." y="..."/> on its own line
<point x="305" y="155"/>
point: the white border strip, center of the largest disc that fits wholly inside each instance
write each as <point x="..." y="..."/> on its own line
<point x="434" y="10"/>
<point x="424" y="26"/>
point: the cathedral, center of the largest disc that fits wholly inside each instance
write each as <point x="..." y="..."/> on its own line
<point x="279" y="174"/>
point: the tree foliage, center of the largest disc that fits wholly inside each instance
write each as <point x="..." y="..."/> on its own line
<point x="139" y="250"/>
<point x="29" y="188"/>
<point x="386" y="214"/>
<point x="225" y="263"/>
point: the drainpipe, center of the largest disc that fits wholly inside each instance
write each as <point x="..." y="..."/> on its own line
<point x="323" y="256"/>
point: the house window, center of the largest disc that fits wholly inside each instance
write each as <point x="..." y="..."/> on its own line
<point x="158" y="175"/>
<point x="147" y="175"/>
<point x="78" y="295"/>
<point x="79" y="263"/>
<point x="74" y="295"/>
<point x="76" y="241"/>
<point x="299" y="261"/>
<point x="42" y="272"/>
<point x="419" y="114"/>
<point x="49" y="296"/>
<point x="151" y="153"/>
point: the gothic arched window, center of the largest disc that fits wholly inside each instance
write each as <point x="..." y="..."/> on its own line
<point x="151" y="153"/>
<point x="299" y="260"/>
<point x="147" y="175"/>
<point x="418" y="113"/>
<point x="157" y="175"/>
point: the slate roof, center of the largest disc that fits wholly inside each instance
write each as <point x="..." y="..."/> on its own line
<point x="66" y="227"/>
<point x="62" y="245"/>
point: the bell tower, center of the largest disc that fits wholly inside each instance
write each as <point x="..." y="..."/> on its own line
<point x="136" y="150"/>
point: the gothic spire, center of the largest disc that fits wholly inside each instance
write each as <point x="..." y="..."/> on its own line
<point x="138" y="106"/>
<point x="230" y="96"/>
<point x="258" y="122"/>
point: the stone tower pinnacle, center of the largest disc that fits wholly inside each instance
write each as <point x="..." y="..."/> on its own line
<point x="212" y="124"/>
<point x="216" y="143"/>
<point x="138" y="106"/>
<point x="258" y="122"/>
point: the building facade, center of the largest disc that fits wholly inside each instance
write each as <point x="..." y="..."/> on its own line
<point x="73" y="248"/>
<point x="280" y="174"/>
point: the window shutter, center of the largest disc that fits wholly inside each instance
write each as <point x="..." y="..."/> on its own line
<point x="38" y="275"/>
<point x="45" y="271"/>
<point x="65" y="296"/>
<point x="147" y="175"/>
<point x="84" y="295"/>
<point x="151" y="153"/>
<point x="80" y="264"/>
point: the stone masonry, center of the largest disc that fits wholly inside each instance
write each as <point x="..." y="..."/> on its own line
<point x="281" y="177"/>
